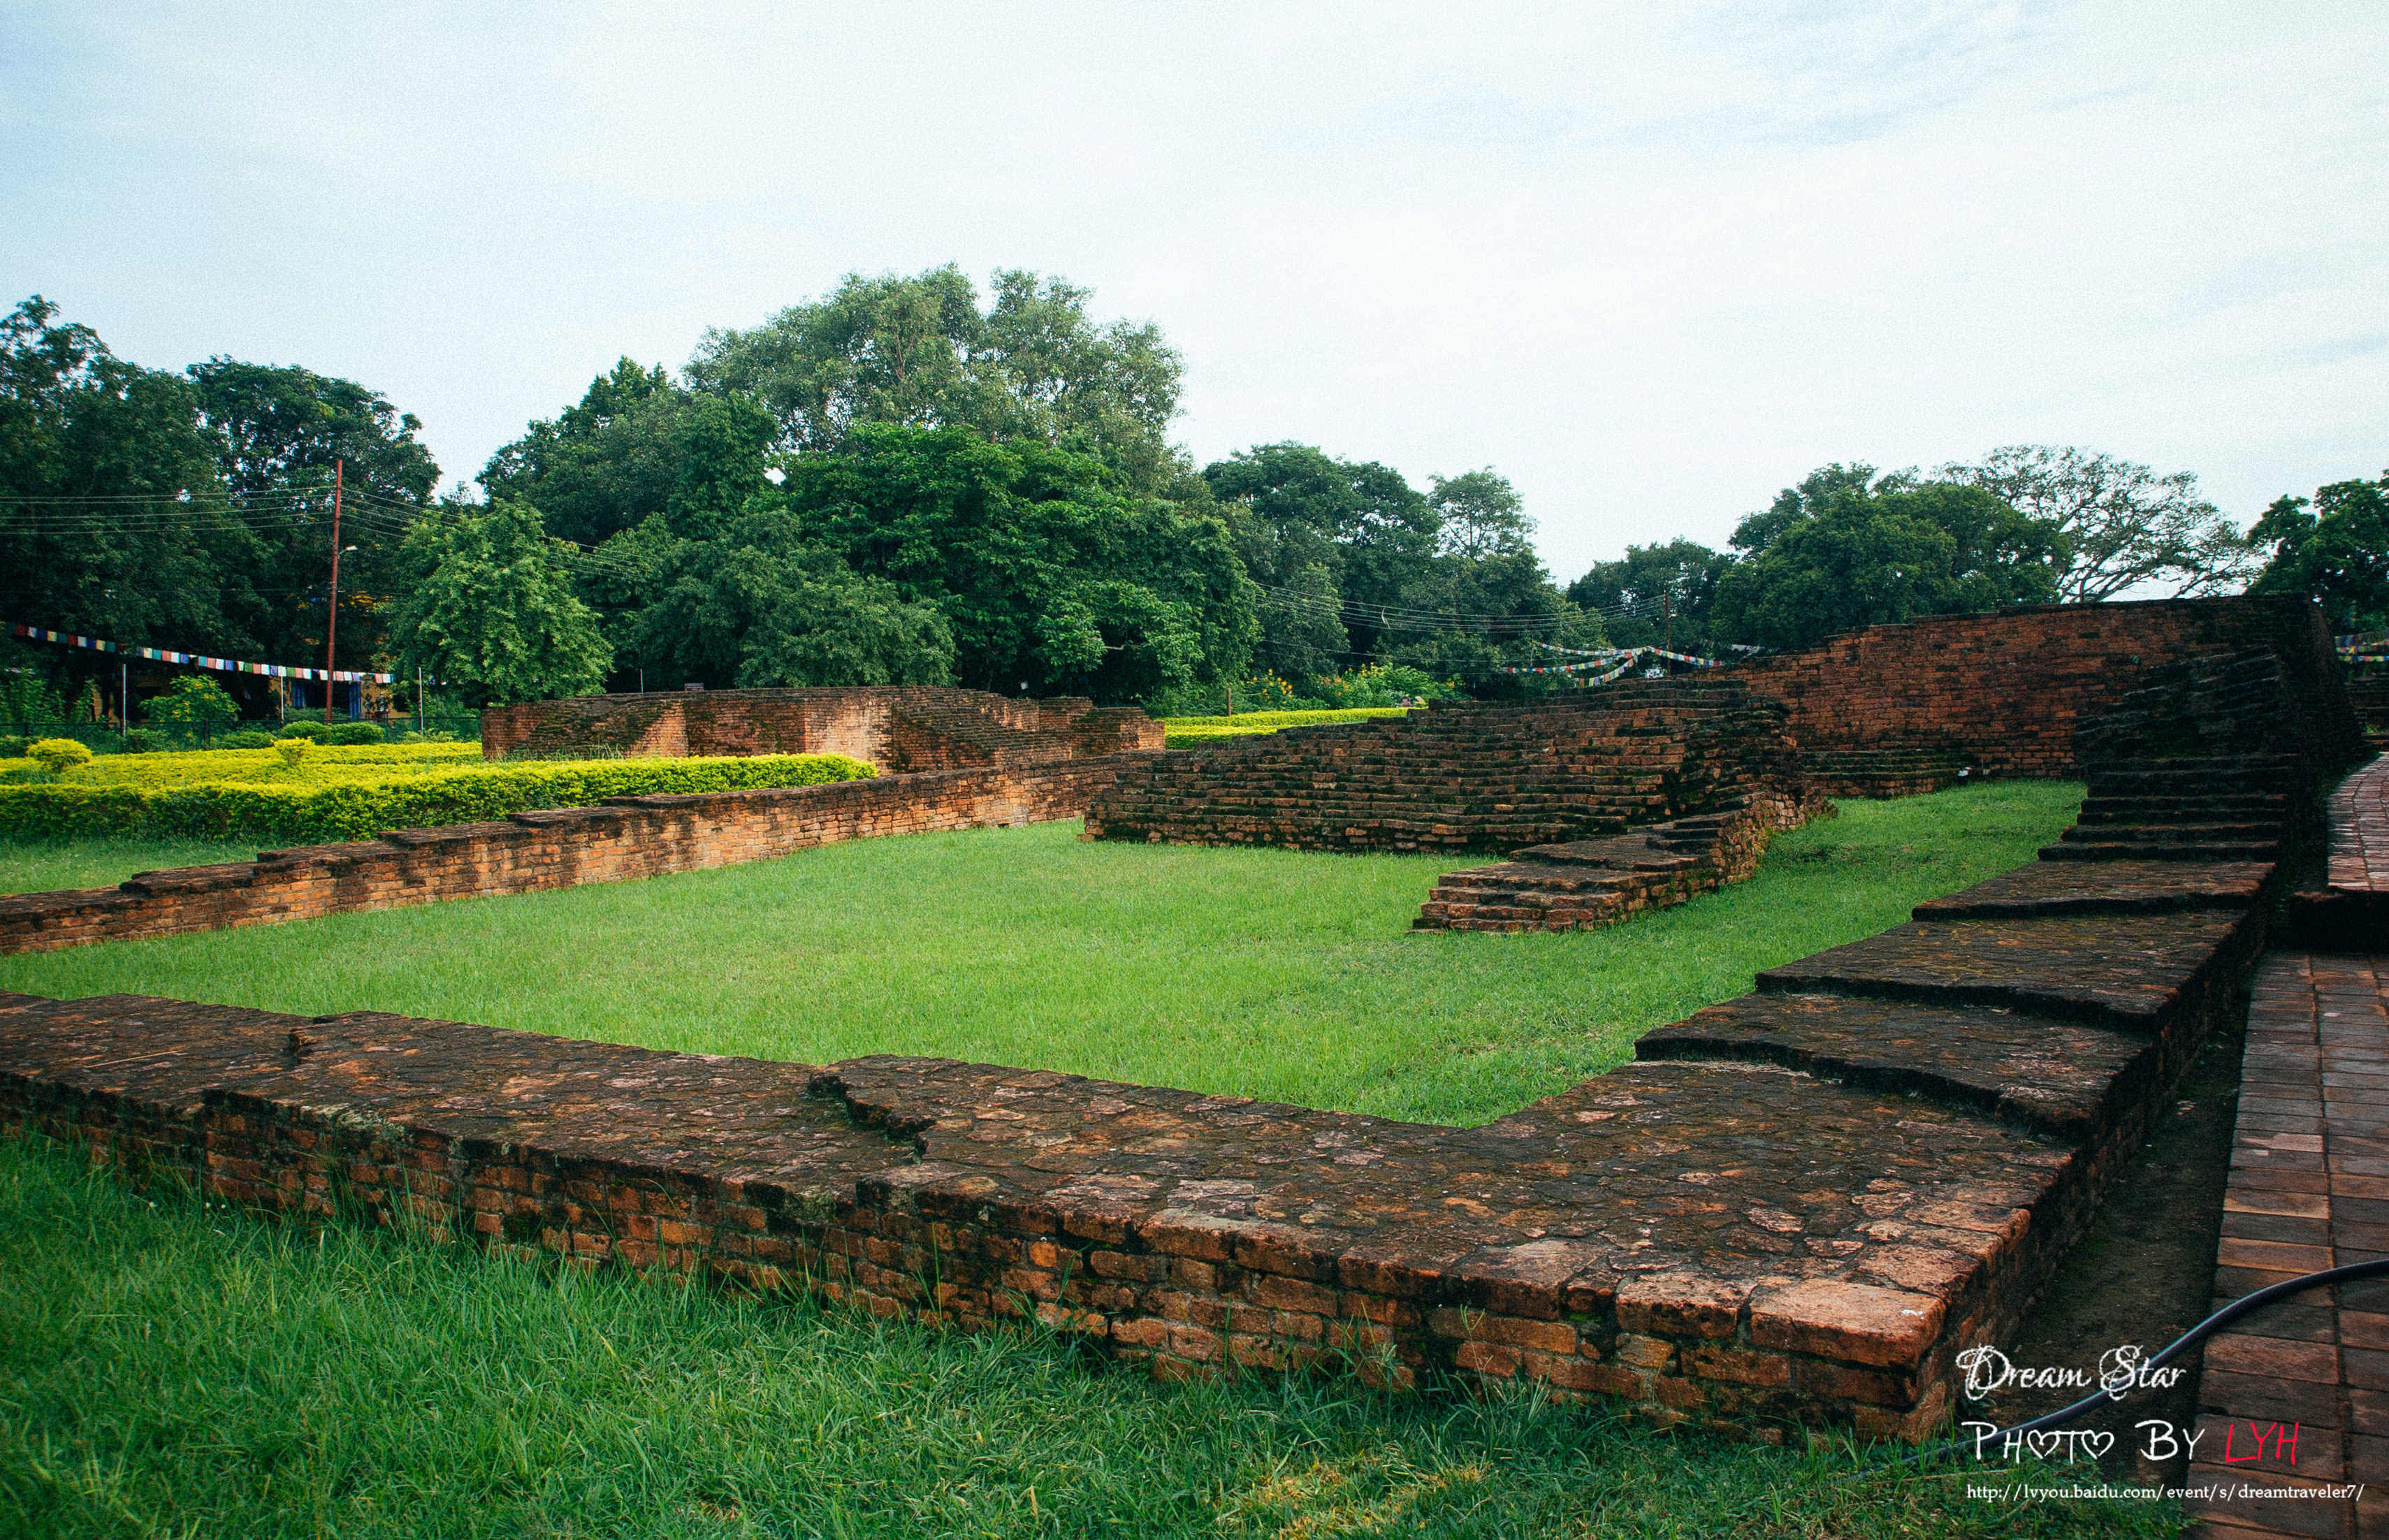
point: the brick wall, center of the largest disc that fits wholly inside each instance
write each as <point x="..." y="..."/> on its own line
<point x="2007" y="691"/>
<point x="1466" y="777"/>
<point x="898" y="727"/>
<point x="623" y="838"/>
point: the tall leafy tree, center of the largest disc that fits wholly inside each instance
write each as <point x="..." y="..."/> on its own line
<point x="1480" y="515"/>
<point x="1049" y="572"/>
<point x="114" y="515"/>
<point x="1656" y="593"/>
<point x="2333" y="549"/>
<point x="762" y="605"/>
<point x="920" y="351"/>
<point x="2130" y="527"/>
<point x="1334" y="544"/>
<point x="635" y="445"/>
<point x="489" y="608"/>
<point x="279" y="431"/>
<point x="1846" y="549"/>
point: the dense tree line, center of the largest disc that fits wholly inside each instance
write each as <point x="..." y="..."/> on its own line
<point x="901" y="483"/>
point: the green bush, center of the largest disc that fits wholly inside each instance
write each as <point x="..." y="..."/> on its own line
<point x="310" y="814"/>
<point x="306" y="726"/>
<point x="57" y="753"/>
<point x="356" y="732"/>
<point x="245" y="740"/>
<point x="144" y="740"/>
<point x="12" y="747"/>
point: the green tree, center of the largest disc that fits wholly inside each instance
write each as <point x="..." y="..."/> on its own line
<point x="1356" y="566"/>
<point x="2335" y="550"/>
<point x="197" y="705"/>
<point x="277" y="432"/>
<point x="2129" y="527"/>
<point x="114" y="519"/>
<point x="1655" y="594"/>
<point x="637" y="445"/>
<point x="1480" y="515"/>
<point x="919" y="352"/>
<point x="1049" y="571"/>
<point x="1334" y="545"/>
<point x="762" y="607"/>
<point x="1845" y="550"/>
<point x="489" y="611"/>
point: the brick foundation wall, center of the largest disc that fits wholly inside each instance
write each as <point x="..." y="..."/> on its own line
<point x="621" y="839"/>
<point x="1467" y="777"/>
<point x="2007" y="691"/>
<point x="905" y="729"/>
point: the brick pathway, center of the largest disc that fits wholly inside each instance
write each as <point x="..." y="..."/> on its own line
<point x="2299" y="1394"/>
<point x="2359" y="831"/>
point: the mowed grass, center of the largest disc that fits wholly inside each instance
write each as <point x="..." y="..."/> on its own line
<point x="1287" y="977"/>
<point x="170" y="1370"/>
<point x="39" y="866"/>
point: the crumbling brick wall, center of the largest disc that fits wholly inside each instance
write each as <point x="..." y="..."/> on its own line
<point x="1470" y="776"/>
<point x="623" y="838"/>
<point x="903" y="729"/>
<point x="2004" y="693"/>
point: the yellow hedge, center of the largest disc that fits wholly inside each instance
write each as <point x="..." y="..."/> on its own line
<point x="322" y="765"/>
<point x="1180" y="730"/>
<point x="299" y="811"/>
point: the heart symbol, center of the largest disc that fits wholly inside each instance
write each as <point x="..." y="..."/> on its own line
<point x="2043" y="1445"/>
<point x="2099" y="1443"/>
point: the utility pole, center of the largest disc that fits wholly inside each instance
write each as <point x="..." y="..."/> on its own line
<point x="125" y="699"/>
<point x="1667" y="620"/>
<point x="332" y="610"/>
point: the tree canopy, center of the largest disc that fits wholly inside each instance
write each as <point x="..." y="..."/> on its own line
<point x="1031" y="367"/>
<point x="637" y="444"/>
<point x="2333" y="550"/>
<point x="2128" y="528"/>
<point x="488" y="608"/>
<point x="1846" y="549"/>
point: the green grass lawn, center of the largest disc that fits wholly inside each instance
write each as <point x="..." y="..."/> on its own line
<point x="37" y="866"/>
<point x="1271" y="973"/>
<point x="167" y="1369"/>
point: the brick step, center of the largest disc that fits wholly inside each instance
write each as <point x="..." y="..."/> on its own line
<point x="2254" y="850"/>
<point x="2182" y="809"/>
<point x="2174" y="833"/>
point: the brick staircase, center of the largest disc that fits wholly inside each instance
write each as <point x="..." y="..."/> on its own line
<point x="2204" y="763"/>
<point x="1467" y="777"/>
<point x="1582" y="884"/>
<point x="1879" y="773"/>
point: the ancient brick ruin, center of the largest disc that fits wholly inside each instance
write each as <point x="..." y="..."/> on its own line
<point x="901" y="729"/>
<point x="1893" y="710"/>
<point x="1792" y="1210"/>
<point x="1470" y="776"/>
<point x="625" y="837"/>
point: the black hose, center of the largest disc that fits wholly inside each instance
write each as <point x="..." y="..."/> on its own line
<point x="2215" y="1322"/>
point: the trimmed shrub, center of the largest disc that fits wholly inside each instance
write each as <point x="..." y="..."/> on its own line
<point x="316" y="814"/>
<point x="12" y="747"/>
<point x="356" y="732"/>
<point x="306" y="726"/>
<point x="245" y="740"/>
<point x="144" y="740"/>
<point x="55" y="755"/>
<point x="293" y="751"/>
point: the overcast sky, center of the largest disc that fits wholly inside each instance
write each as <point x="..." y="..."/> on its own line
<point x="1652" y="263"/>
